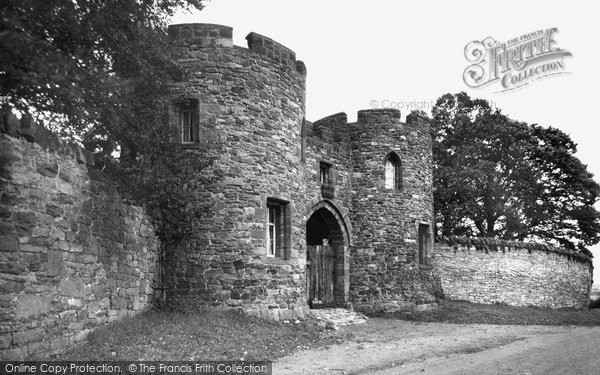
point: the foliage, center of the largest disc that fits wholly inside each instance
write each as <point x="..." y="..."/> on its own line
<point x="497" y="177"/>
<point x="88" y="64"/>
<point x="62" y="56"/>
<point x="99" y="73"/>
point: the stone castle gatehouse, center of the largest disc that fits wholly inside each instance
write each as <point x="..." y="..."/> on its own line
<point x="292" y="214"/>
<point x="303" y="213"/>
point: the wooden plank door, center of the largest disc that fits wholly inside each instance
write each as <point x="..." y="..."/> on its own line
<point x="320" y="275"/>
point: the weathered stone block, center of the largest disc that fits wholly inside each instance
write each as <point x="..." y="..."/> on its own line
<point x="47" y="168"/>
<point x="38" y="349"/>
<point x="5" y="340"/>
<point x="56" y="266"/>
<point x="8" y="242"/>
<point x="24" y="337"/>
<point x="14" y="353"/>
<point x="12" y="286"/>
<point x="72" y="288"/>
<point x="31" y="306"/>
<point x="60" y="343"/>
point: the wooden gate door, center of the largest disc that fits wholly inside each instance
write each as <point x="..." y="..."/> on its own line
<point x="320" y="275"/>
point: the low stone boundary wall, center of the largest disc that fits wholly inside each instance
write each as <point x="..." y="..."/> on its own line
<point x="522" y="274"/>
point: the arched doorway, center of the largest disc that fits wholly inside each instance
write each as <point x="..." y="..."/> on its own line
<point x="327" y="275"/>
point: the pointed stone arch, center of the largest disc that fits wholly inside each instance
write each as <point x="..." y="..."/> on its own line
<point x="341" y="217"/>
<point x="328" y="272"/>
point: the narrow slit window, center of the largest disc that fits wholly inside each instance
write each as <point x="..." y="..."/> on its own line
<point x="424" y="243"/>
<point x="272" y="231"/>
<point x="325" y="173"/>
<point x="187" y="126"/>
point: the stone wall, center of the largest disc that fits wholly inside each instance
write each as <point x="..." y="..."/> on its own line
<point x="383" y="266"/>
<point x="384" y="262"/>
<point x="251" y="126"/>
<point x="515" y="273"/>
<point x="328" y="142"/>
<point x="250" y="113"/>
<point x="73" y="255"/>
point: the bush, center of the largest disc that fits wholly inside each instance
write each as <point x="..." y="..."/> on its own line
<point x="594" y="304"/>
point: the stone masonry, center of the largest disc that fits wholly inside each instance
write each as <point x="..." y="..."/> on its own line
<point x="515" y="273"/>
<point x="328" y="178"/>
<point x="250" y="123"/>
<point x="73" y="255"/>
<point x="292" y="214"/>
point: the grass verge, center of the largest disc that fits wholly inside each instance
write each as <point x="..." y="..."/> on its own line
<point x="203" y="335"/>
<point x="460" y="312"/>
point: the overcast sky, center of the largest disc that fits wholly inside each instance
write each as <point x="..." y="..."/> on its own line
<point x="406" y="54"/>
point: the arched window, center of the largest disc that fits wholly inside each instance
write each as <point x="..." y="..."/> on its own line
<point x="393" y="172"/>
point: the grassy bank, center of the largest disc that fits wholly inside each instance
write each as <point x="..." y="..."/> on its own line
<point x="202" y="335"/>
<point x="217" y="334"/>
<point x="460" y="312"/>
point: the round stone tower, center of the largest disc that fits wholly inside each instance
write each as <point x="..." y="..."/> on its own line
<point x="242" y="109"/>
<point x="392" y="211"/>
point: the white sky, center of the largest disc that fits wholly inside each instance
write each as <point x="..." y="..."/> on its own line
<point x="412" y="52"/>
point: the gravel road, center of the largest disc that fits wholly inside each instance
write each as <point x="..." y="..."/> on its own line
<point x="398" y="347"/>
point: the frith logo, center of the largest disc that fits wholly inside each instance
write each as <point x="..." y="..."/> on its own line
<point x="515" y="63"/>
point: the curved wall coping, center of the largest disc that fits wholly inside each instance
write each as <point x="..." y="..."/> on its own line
<point x="495" y="244"/>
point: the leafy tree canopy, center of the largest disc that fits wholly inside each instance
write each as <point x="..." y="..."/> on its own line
<point x="497" y="177"/>
<point x="98" y="72"/>
<point x="89" y="64"/>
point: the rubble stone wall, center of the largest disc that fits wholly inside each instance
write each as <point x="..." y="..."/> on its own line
<point x="250" y="109"/>
<point x="385" y="269"/>
<point x="515" y="273"/>
<point x="73" y="255"/>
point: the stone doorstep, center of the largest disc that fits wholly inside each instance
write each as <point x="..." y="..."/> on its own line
<point x="426" y="306"/>
<point x="284" y="315"/>
<point x="334" y="318"/>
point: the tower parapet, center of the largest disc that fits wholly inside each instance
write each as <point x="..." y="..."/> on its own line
<point x="380" y="115"/>
<point x="417" y="121"/>
<point x="198" y="35"/>
<point x="268" y="47"/>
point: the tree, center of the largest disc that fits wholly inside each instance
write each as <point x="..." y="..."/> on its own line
<point x="87" y="64"/>
<point x="497" y="177"/>
<point x="98" y="72"/>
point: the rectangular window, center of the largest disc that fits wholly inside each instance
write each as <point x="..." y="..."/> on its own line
<point x="187" y="126"/>
<point x="273" y="230"/>
<point x="325" y="173"/>
<point x="188" y="121"/>
<point x="278" y="228"/>
<point x="424" y="243"/>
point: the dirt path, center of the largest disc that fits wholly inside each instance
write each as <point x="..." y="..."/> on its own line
<point x="398" y="347"/>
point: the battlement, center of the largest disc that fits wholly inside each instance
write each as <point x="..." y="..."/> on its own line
<point x="333" y="120"/>
<point x="203" y="35"/>
<point x="380" y="115"/>
<point x="266" y="46"/>
<point x="200" y="35"/>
